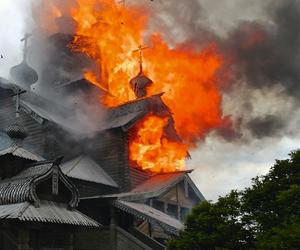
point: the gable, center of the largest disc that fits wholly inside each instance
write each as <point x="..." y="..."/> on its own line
<point x="177" y="195"/>
<point x="86" y="169"/>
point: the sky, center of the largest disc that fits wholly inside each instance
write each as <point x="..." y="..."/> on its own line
<point x="263" y="103"/>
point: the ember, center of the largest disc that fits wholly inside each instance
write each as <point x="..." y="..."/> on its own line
<point x="108" y="33"/>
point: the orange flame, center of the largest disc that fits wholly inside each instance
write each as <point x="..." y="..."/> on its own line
<point x="108" y="33"/>
<point x="151" y="150"/>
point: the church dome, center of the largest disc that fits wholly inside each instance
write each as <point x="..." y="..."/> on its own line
<point x="16" y="131"/>
<point x="139" y="84"/>
<point x="23" y="74"/>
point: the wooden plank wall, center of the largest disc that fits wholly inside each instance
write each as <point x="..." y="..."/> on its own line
<point x="110" y="150"/>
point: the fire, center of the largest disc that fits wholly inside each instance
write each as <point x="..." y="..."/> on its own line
<point x="151" y="150"/>
<point x="108" y="33"/>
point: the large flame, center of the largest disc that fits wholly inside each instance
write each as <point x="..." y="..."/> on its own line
<point x="109" y="32"/>
<point x="151" y="150"/>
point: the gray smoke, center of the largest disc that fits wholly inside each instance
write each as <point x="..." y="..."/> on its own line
<point x="276" y="58"/>
<point x="261" y="41"/>
<point x="75" y="107"/>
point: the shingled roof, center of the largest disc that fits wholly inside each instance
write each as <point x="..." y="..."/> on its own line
<point x="85" y="168"/>
<point x="22" y="187"/>
<point x="47" y="212"/>
<point x="22" y="150"/>
<point x="156" y="186"/>
<point x="151" y="215"/>
<point x="123" y="116"/>
<point x="128" y="114"/>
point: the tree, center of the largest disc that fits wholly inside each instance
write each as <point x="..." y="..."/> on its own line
<point x="263" y="216"/>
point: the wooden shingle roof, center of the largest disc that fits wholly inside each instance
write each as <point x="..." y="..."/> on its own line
<point x="19" y="149"/>
<point x="47" y="212"/>
<point x="155" y="186"/>
<point x="85" y="168"/>
<point x="151" y="215"/>
<point x="22" y="187"/>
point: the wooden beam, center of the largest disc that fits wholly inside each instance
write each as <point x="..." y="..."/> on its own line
<point x="186" y="188"/>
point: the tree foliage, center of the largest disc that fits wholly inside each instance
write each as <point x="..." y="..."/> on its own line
<point x="263" y="216"/>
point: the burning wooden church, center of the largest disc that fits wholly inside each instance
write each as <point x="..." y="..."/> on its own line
<point x="61" y="191"/>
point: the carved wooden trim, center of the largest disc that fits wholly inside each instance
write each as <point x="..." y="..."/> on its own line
<point x="56" y="174"/>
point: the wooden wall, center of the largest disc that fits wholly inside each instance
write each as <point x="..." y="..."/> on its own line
<point x="110" y="150"/>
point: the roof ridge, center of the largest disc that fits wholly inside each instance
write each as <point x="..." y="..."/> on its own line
<point x="175" y="172"/>
<point x="80" y="157"/>
<point x="26" y="205"/>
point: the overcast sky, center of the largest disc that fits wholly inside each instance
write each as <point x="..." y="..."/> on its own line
<point x="220" y="165"/>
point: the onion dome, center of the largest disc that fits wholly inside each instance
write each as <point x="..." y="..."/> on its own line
<point x="139" y="84"/>
<point x="23" y="74"/>
<point x="16" y="131"/>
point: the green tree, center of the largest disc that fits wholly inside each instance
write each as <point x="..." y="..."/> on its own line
<point x="263" y="216"/>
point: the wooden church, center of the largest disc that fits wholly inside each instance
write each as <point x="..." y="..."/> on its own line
<point x="58" y="191"/>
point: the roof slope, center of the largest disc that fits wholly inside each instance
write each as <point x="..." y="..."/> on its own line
<point x="47" y="212"/>
<point x="17" y="188"/>
<point x="155" y="186"/>
<point x="159" y="182"/>
<point x="127" y="114"/>
<point x="19" y="149"/>
<point x="22" y="187"/>
<point x="150" y="214"/>
<point x="85" y="168"/>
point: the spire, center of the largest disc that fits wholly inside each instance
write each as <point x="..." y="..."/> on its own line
<point x="141" y="82"/>
<point x="17" y="95"/>
<point x="25" y="40"/>
<point x="22" y="73"/>
<point x="16" y="130"/>
<point x="140" y="50"/>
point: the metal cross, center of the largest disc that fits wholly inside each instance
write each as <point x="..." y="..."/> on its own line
<point x="25" y="40"/>
<point x="19" y="92"/>
<point x="140" y="50"/>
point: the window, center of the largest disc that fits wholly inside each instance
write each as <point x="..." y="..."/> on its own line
<point x="172" y="210"/>
<point x="184" y="212"/>
<point x="159" y="205"/>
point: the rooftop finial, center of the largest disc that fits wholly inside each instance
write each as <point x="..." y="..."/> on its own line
<point x="141" y="82"/>
<point x="19" y="92"/>
<point x="140" y="50"/>
<point x="25" y="40"/>
<point x="22" y="74"/>
<point x="16" y="130"/>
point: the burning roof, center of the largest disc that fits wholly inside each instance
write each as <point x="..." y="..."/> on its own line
<point x="107" y="34"/>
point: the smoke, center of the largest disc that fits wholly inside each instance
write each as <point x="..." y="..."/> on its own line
<point x="252" y="36"/>
<point x="75" y="107"/>
<point x="260" y="41"/>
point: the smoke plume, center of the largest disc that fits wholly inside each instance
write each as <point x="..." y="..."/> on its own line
<point x="261" y="43"/>
<point x="259" y="40"/>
